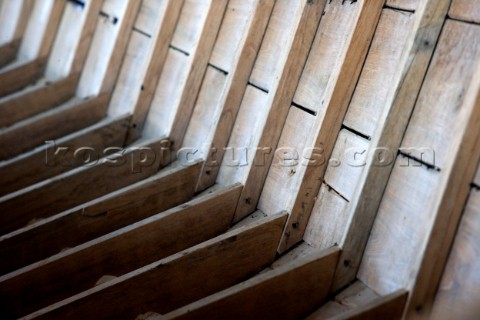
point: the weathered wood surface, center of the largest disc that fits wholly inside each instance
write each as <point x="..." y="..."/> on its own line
<point x="249" y="18"/>
<point x="291" y="291"/>
<point x="78" y="269"/>
<point x="294" y="189"/>
<point x="20" y="74"/>
<point x="74" y="115"/>
<point x="257" y="145"/>
<point x="457" y="297"/>
<point x="167" y="117"/>
<point x="169" y="188"/>
<point x="8" y="52"/>
<point x="47" y="198"/>
<point x="410" y="5"/>
<point x="180" y="279"/>
<point x="432" y="218"/>
<point x="144" y="61"/>
<point x="332" y="213"/>
<point x="465" y="10"/>
<point x="36" y="99"/>
<point x="419" y="47"/>
<point x="360" y="302"/>
<point x="32" y="167"/>
<point x="377" y="77"/>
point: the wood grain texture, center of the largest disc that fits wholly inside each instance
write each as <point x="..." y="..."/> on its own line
<point x="36" y="99"/>
<point x="73" y="188"/>
<point x="346" y="163"/>
<point x="170" y="188"/>
<point x="237" y="18"/>
<point x="8" y="52"/>
<point x="466" y="10"/>
<point x="74" y="37"/>
<point x="328" y="221"/>
<point x="404" y="207"/>
<point x="76" y="270"/>
<point x="20" y="74"/>
<point x="272" y="118"/>
<point x="190" y="25"/>
<point x="422" y="39"/>
<point x="244" y="58"/>
<point x="459" y="288"/>
<point x="74" y="115"/>
<point x="410" y="5"/>
<point x="32" y="167"/>
<point x="148" y="16"/>
<point x="387" y="307"/>
<point x="287" y="292"/>
<point x="238" y="157"/>
<point x="354" y="296"/>
<point x="306" y="180"/>
<point x="154" y="69"/>
<point x="459" y="42"/>
<point x="327" y="54"/>
<point x="377" y="78"/>
<point x="175" y="124"/>
<point x="279" y="32"/>
<point x="206" y="114"/>
<point x="180" y="279"/>
<point x="143" y="64"/>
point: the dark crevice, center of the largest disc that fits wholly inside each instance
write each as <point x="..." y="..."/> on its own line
<point x="313" y="113"/>
<point x="356" y="132"/>
<point x="257" y="87"/>
<point x="179" y="50"/>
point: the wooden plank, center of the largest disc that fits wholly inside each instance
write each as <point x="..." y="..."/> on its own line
<point x="190" y="25"/>
<point x="392" y="254"/>
<point x="76" y="270"/>
<point x="377" y="75"/>
<point x="36" y="99"/>
<point x="144" y="63"/>
<point x="390" y="129"/>
<point x="32" y="167"/>
<point x="13" y="17"/>
<point x="8" y="52"/>
<point x="328" y="221"/>
<point x="75" y="34"/>
<point x="410" y="5"/>
<point x="155" y="68"/>
<point x="19" y="75"/>
<point x="327" y="53"/>
<point x="270" y="118"/>
<point x="244" y="55"/>
<point x="148" y="17"/>
<point x="235" y="165"/>
<point x="206" y="113"/>
<point x="354" y="296"/>
<point x="387" y="307"/>
<point x="179" y="279"/>
<point x="458" y="42"/>
<point x="423" y="253"/>
<point x="74" y="115"/>
<point x="237" y="20"/>
<point x="176" y="123"/>
<point x="130" y="79"/>
<point x="169" y="188"/>
<point x="108" y="47"/>
<point x="458" y="291"/>
<point x="41" y="30"/>
<point x="298" y="190"/>
<point x="347" y="160"/>
<point x="279" y="32"/>
<point x="288" y="292"/>
<point x="115" y="171"/>
<point x="465" y="10"/>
